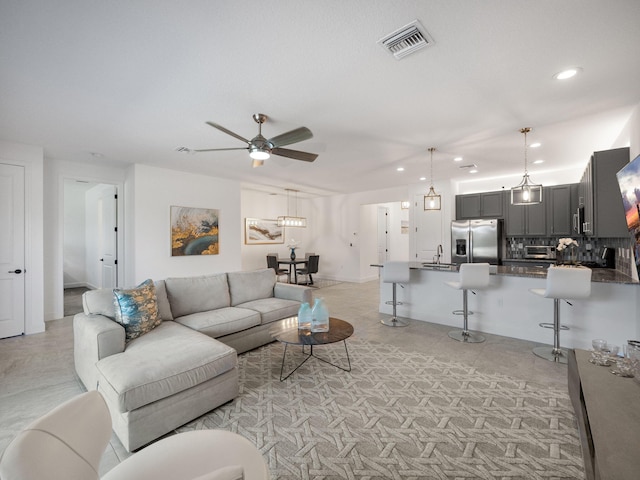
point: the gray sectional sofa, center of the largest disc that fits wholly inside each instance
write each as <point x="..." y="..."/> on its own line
<point x="187" y="365"/>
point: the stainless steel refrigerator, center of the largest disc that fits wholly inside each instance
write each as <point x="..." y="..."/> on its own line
<point x="476" y="241"/>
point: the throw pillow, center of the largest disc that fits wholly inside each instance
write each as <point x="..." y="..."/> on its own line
<point x="137" y="309"/>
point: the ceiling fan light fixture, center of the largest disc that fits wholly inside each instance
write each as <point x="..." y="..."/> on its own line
<point x="259" y="154"/>
<point x="526" y="192"/>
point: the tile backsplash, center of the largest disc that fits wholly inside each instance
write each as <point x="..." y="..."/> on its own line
<point x="588" y="250"/>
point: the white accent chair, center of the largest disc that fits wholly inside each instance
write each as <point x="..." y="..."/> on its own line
<point x="563" y="283"/>
<point x="68" y="442"/>
<point x="395" y="273"/>
<point x="472" y="276"/>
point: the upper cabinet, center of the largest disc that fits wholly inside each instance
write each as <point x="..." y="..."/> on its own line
<point x="599" y="194"/>
<point x="528" y="220"/>
<point x="562" y="202"/>
<point x="479" y="205"/>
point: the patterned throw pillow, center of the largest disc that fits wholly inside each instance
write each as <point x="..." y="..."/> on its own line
<point x="137" y="309"/>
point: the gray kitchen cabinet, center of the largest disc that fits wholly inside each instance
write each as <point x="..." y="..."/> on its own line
<point x="561" y="205"/>
<point x="479" y="205"/>
<point x="526" y="220"/>
<point x="600" y="196"/>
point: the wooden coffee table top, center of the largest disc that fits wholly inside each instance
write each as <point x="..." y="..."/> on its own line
<point x="339" y="330"/>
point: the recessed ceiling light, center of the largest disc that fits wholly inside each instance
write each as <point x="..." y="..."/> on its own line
<point x="400" y="169"/>
<point x="535" y="145"/>
<point x="457" y="159"/>
<point x="473" y="171"/>
<point x="538" y="161"/>
<point x="568" y="73"/>
<point x="423" y="178"/>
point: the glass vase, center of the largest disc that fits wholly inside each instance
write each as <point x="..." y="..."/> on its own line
<point x="319" y="316"/>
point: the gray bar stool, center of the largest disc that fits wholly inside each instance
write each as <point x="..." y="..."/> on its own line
<point x="563" y="283"/>
<point x="395" y="273"/>
<point x="472" y="276"/>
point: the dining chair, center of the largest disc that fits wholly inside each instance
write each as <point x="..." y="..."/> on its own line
<point x="272" y="262"/>
<point x="309" y="269"/>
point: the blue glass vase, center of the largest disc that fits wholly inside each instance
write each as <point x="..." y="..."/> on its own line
<point x="320" y="316"/>
<point x="304" y="317"/>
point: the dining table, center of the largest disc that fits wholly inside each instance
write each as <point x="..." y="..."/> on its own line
<point x="293" y="263"/>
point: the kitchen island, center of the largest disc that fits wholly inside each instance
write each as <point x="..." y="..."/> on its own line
<point x="508" y="308"/>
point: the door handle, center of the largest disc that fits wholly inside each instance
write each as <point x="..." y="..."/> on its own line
<point x="17" y="270"/>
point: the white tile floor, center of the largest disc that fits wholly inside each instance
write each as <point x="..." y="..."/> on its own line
<point x="37" y="372"/>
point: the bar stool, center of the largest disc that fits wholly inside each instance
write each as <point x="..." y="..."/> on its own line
<point x="472" y="276"/>
<point x="395" y="273"/>
<point x="562" y="283"/>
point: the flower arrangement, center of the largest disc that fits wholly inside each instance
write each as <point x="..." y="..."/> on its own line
<point x="293" y="244"/>
<point x="567" y="244"/>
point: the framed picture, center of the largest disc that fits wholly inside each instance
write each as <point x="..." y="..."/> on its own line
<point x="259" y="231"/>
<point x="194" y="231"/>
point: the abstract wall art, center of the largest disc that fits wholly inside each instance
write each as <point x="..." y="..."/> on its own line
<point x="194" y="231"/>
<point x="258" y="231"/>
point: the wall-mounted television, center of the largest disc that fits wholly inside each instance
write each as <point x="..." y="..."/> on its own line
<point x="629" y="182"/>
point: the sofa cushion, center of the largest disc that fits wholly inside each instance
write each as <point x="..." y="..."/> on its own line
<point x="272" y="309"/>
<point x="222" y="321"/>
<point x="99" y="302"/>
<point x="189" y="295"/>
<point x="165" y="361"/>
<point x="252" y="285"/>
<point x="137" y="309"/>
<point x="164" y="309"/>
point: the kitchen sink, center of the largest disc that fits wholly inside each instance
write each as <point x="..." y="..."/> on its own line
<point x="450" y="267"/>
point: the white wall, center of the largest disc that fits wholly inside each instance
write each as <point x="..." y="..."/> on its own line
<point x="55" y="174"/>
<point x="74" y="241"/>
<point x="338" y="228"/>
<point x="152" y="191"/>
<point x="257" y="204"/>
<point x="32" y="159"/>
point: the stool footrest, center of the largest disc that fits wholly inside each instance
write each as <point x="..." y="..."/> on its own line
<point x="390" y="302"/>
<point x="461" y="312"/>
<point x="550" y="325"/>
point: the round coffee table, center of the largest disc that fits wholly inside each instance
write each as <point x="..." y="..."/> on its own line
<point x="339" y="331"/>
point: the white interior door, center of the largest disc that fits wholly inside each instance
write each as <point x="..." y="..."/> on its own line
<point x="107" y="222"/>
<point x="11" y="250"/>
<point x="383" y="234"/>
<point x="429" y="232"/>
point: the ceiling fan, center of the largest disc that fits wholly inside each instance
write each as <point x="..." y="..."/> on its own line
<point x="261" y="148"/>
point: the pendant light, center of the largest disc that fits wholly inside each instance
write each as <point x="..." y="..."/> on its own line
<point x="432" y="201"/>
<point x="527" y="192"/>
<point x="292" y="220"/>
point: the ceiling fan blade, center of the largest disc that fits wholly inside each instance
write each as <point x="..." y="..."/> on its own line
<point x="294" y="136"/>
<point x="295" y="154"/>
<point x="227" y="131"/>
<point x="218" y="149"/>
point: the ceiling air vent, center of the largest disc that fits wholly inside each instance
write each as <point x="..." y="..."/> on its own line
<point x="408" y="39"/>
<point x="471" y="165"/>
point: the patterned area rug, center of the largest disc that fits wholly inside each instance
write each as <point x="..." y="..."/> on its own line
<point x="398" y="415"/>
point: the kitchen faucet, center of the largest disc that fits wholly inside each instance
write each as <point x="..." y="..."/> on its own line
<point x="438" y="254"/>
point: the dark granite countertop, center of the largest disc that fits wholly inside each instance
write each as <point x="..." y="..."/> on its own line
<point x="602" y="275"/>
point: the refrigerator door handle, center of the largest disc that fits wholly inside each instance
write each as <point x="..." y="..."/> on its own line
<point x="470" y="252"/>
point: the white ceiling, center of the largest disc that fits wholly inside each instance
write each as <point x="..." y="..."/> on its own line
<point x="133" y="79"/>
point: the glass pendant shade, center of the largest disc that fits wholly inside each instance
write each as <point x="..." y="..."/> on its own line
<point x="526" y="192"/>
<point x="287" y="221"/>
<point x="292" y="220"/>
<point x="432" y="201"/>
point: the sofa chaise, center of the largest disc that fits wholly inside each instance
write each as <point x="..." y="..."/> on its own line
<point x="187" y="364"/>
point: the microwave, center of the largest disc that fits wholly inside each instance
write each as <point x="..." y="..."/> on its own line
<point x="540" y="252"/>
